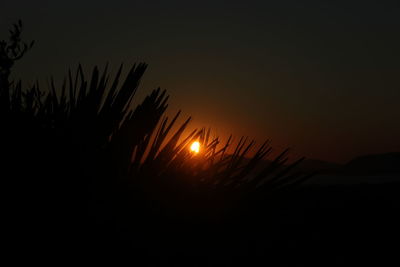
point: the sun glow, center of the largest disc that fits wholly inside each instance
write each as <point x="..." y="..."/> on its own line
<point x="195" y="147"/>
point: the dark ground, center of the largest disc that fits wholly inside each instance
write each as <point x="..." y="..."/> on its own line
<point x="351" y="225"/>
<point x="313" y="225"/>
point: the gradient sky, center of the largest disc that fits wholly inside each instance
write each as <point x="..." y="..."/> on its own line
<point x="322" y="77"/>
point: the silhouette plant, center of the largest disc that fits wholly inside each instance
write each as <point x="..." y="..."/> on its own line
<point x="94" y="153"/>
<point x="10" y="51"/>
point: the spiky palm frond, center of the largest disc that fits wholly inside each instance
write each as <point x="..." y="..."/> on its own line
<point x="87" y="143"/>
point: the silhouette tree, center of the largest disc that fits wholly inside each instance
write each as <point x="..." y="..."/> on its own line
<point x="10" y="51"/>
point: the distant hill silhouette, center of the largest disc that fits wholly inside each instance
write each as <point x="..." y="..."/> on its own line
<point x="366" y="169"/>
<point x="319" y="165"/>
<point x="374" y="164"/>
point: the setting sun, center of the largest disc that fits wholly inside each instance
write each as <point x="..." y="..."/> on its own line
<point x="195" y="147"/>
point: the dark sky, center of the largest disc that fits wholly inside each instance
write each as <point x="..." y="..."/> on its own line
<point x="322" y="77"/>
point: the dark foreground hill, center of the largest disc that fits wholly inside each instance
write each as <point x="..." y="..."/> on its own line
<point x="351" y="225"/>
<point x="311" y="226"/>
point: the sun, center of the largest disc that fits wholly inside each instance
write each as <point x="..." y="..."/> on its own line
<point x="195" y="147"/>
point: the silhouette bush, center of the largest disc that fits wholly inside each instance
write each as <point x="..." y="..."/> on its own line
<point x="83" y="158"/>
